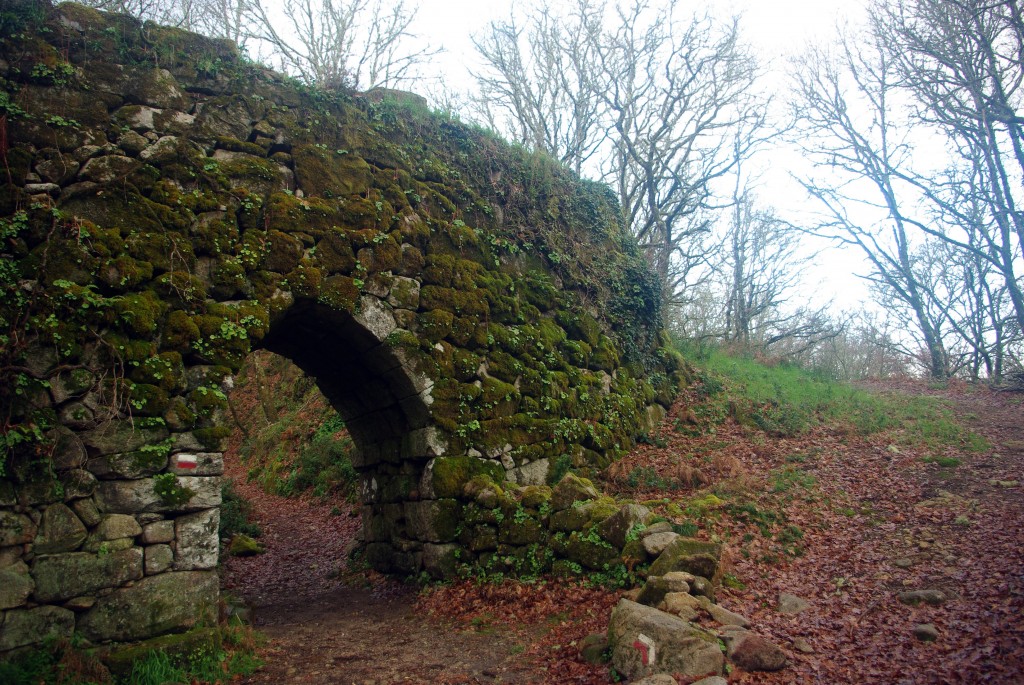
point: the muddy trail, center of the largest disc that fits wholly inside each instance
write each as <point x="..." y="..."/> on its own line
<point x="842" y="521"/>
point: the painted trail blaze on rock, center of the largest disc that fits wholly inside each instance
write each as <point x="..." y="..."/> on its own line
<point x="161" y="220"/>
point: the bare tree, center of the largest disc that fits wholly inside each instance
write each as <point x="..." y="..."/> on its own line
<point x="660" y="108"/>
<point x="847" y="126"/>
<point x="963" y="62"/>
<point x="543" y="81"/>
<point x="338" y="43"/>
<point x="341" y="43"/>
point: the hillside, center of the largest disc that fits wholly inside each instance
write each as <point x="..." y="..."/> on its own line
<point x="870" y="492"/>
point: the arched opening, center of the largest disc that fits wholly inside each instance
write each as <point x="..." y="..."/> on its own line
<point x="362" y="376"/>
<point x="384" y="404"/>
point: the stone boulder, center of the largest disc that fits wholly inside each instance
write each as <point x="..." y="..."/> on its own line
<point x="165" y="603"/>
<point x="61" y="531"/>
<point x="571" y="489"/>
<point x="616" y="528"/>
<point x="656" y="587"/>
<point x="752" y="652"/>
<point x="32" y="626"/>
<point x="698" y="557"/>
<point x="63" y="576"/>
<point x="646" y="641"/>
<point x="655" y="543"/>
<point x="15" y="585"/>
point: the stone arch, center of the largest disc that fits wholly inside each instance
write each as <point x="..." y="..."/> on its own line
<point x="476" y="313"/>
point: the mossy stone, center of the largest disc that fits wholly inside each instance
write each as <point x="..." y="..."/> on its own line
<point x="590" y="550"/>
<point x="447" y="476"/>
<point x="699" y="557"/>
<point x="525" y="531"/>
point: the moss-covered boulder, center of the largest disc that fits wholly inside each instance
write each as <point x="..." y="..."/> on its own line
<point x="153" y="606"/>
<point x="699" y="557"/>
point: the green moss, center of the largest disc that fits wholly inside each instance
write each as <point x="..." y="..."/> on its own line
<point x="334" y="252"/>
<point x="439" y="270"/>
<point x="235" y="145"/>
<point x="287" y="213"/>
<point x="181" y="288"/>
<point x="180" y="332"/>
<point x="285" y="251"/>
<point x="340" y="292"/>
<point x="498" y="398"/>
<point x="139" y="313"/>
<point x="148" y="400"/>
<point x="449" y="475"/>
<point x="326" y="173"/>
<point x="436" y="325"/>
<point x="212" y="438"/>
<point x="305" y="280"/>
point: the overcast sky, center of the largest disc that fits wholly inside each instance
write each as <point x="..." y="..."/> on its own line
<point x="776" y="29"/>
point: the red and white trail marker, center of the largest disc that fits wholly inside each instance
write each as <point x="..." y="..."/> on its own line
<point x="186" y="461"/>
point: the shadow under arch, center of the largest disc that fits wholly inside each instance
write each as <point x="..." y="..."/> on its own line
<point x="384" y="403"/>
<point x="363" y="377"/>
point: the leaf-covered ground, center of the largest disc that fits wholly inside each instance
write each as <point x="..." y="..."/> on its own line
<point x="841" y="520"/>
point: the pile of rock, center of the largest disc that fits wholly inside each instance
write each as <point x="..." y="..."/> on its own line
<point x="674" y="625"/>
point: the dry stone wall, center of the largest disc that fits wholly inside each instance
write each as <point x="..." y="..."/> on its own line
<point x="475" y="313"/>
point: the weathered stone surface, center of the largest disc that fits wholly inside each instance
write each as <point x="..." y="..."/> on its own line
<point x="657" y="679"/>
<point x="440" y="561"/>
<point x="198" y="544"/>
<point x="158" y="558"/>
<point x="87" y="511"/>
<point x="571" y="489"/>
<point x="157" y="531"/>
<point x="31" y="626"/>
<point x="68" y="450"/>
<point x="61" y="531"/>
<point x="646" y="641"/>
<point x="687" y="554"/>
<point x="657" y="587"/>
<point x="15" y="585"/>
<point x="77" y="483"/>
<point x="724" y="616"/>
<point x="80" y="603"/>
<point x="655" y="544"/>
<point x="63" y="576"/>
<point x="917" y="597"/>
<point x="791" y="604"/>
<point x="681" y="604"/>
<point x="433" y="520"/>
<point x="136" y="464"/>
<point x="120" y="437"/>
<point x="713" y="680"/>
<point x="155" y="605"/>
<point x="107" y="168"/>
<point x="114" y="526"/>
<point x="618" y="526"/>
<point x="197" y="463"/>
<point x="926" y="632"/>
<point x="753" y="652"/>
<point x="135" y="496"/>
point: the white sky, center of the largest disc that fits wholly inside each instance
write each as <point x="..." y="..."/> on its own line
<point x="777" y="29"/>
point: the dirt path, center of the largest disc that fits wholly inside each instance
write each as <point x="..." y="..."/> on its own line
<point x="324" y="627"/>
<point x="879" y="521"/>
<point x="889" y="523"/>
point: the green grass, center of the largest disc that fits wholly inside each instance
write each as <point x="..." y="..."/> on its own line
<point x="60" y="662"/>
<point x="945" y="462"/>
<point x="785" y="400"/>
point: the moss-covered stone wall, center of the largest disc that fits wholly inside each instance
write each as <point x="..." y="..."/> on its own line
<point x="471" y="309"/>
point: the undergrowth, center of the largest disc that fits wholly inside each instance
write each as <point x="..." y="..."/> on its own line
<point x="66" y="662"/>
<point x="784" y="400"/>
<point x="293" y="442"/>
